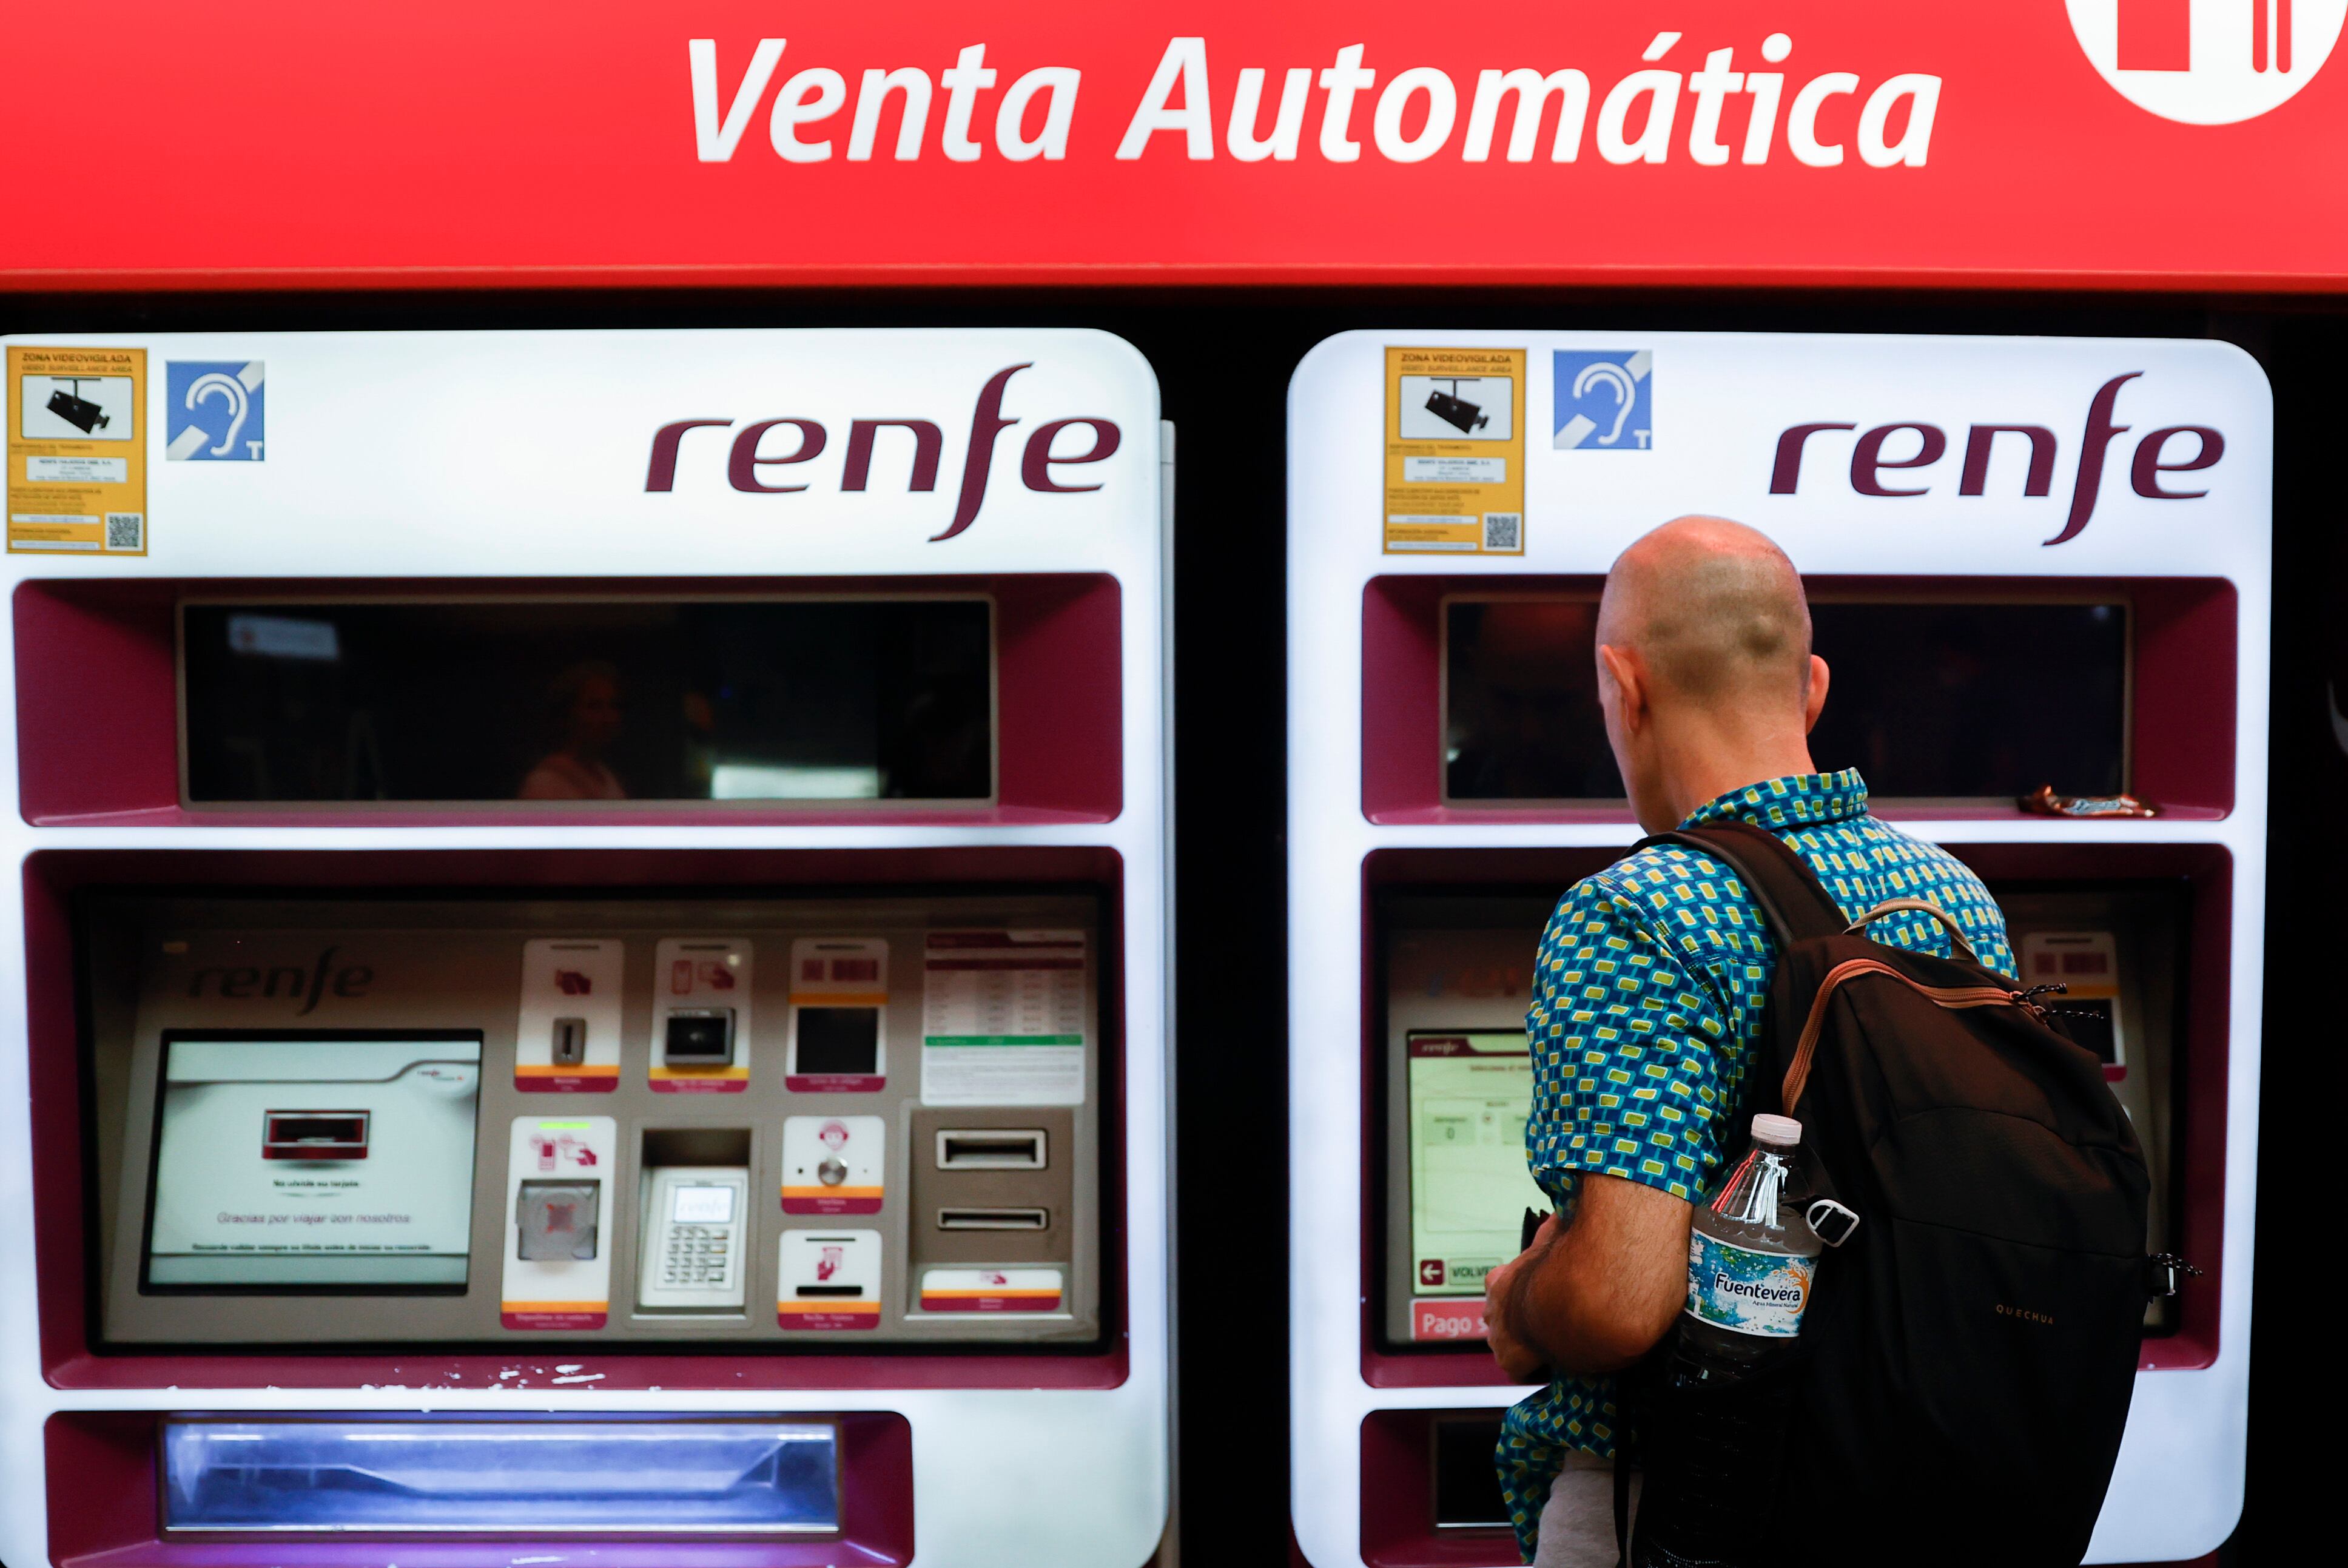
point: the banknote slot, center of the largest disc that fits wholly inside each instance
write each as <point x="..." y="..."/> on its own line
<point x="992" y="1149"/>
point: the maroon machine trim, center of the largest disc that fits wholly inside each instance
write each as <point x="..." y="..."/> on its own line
<point x="98" y="727"/>
<point x="2181" y="698"/>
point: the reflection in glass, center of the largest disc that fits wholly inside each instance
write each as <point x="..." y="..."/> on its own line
<point x="1521" y="720"/>
<point x="1928" y="700"/>
<point x="541" y="700"/>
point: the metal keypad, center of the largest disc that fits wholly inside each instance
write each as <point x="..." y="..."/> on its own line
<point x="697" y="1256"/>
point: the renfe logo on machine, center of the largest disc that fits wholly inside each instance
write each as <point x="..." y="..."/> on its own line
<point x="749" y="459"/>
<point x="307" y="985"/>
<point x="2172" y="450"/>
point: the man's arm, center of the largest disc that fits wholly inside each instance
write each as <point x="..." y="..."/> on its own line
<point x="1595" y="1295"/>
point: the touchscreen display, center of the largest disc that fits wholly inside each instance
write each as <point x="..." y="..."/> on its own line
<point x="590" y="701"/>
<point x="1928" y="700"/>
<point x="1470" y="1093"/>
<point x="703" y="1206"/>
<point x="297" y="1164"/>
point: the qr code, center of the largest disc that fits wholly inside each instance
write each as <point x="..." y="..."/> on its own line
<point x="126" y="531"/>
<point x="1504" y="530"/>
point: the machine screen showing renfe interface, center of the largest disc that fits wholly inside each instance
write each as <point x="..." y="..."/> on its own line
<point x="576" y="701"/>
<point x="1928" y="700"/>
<point x="300" y="1164"/>
<point x="1455" y="971"/>
<point x="1470" y="1093"/>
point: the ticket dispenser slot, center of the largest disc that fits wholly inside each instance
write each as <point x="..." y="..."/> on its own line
<point x="1467" y="1485"/>
<point x="693" y="1203"/>
<point x="996" y="1219"/>
<point x="991" y="1196"/>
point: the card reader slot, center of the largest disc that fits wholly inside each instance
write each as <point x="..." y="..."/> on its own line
<point x="314" y="1135"/>
<point x="992" y="1149"/>
<point x="973" y="1219"/>
<point x="698" y="1037"/>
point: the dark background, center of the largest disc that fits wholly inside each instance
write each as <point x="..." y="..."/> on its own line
<point x="1223" y="359"/>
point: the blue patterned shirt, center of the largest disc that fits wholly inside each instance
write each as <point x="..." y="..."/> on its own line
<point x="1648" y="1000"/>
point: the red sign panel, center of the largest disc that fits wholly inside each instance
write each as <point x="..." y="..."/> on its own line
<point x="2103" y="142"/>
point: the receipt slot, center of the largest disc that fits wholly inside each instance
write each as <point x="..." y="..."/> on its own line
<point x="1449" y="777"/>
<point x="485" y="951"/>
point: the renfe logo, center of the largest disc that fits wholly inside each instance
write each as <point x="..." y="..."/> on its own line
<point x="2162" y="451"/>
<point x="748" y="459"/>
<point x="306" y="986"/>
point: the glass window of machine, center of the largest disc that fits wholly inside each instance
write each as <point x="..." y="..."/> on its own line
<point x="570" y="701"/>
<point x="1930" y="700"/>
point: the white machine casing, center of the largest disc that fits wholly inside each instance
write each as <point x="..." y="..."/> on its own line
<point x="1719" y="404"/>
<point x="443" y="457"/>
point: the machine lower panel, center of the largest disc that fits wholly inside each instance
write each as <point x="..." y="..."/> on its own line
<point x="841" y="1122"/>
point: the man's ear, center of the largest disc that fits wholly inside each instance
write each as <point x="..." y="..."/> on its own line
<point x="1816" y="702"/>
<point x="1622" y="668"/>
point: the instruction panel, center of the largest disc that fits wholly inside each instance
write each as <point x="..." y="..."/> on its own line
<point x="1455" y="478"/>
<point x="1003" y="1018"/>
<point x="76" y="454"/>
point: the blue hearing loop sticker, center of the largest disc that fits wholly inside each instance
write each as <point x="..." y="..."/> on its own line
<point x="1605" y="400"/>
<point x="214" y="411"/>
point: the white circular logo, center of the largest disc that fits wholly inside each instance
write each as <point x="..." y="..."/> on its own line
<point x="2208" y="62"/>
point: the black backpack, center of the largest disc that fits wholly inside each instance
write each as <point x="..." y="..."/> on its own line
<point x="1967" y="1358"/>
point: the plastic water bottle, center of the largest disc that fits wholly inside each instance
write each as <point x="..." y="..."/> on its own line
<point x="1710" y="1487"/>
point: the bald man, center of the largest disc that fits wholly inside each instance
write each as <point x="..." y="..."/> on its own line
<point x="1651" y="984"/>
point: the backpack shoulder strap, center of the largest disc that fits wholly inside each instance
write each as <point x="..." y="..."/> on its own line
<point x="1789" y="894"/>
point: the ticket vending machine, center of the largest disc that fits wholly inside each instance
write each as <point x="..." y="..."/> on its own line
<point x="594" y="956"/>
<point x="2033" y="564"/>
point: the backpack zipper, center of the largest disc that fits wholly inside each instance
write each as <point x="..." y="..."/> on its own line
<point x="1798" y="1075"/>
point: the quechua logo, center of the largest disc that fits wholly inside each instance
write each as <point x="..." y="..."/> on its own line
<point x="763" y="451"/>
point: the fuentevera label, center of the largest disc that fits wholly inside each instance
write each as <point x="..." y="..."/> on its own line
<point x="1750" y="1292"/>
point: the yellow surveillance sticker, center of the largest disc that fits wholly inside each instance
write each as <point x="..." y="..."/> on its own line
<point x="1454" y="452"/>
<point x="77" y="455"/>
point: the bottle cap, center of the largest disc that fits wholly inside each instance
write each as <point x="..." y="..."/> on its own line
<point x="1776" y="1130"/>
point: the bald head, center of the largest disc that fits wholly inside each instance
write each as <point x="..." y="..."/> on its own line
<point x="1714" y="612"/>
